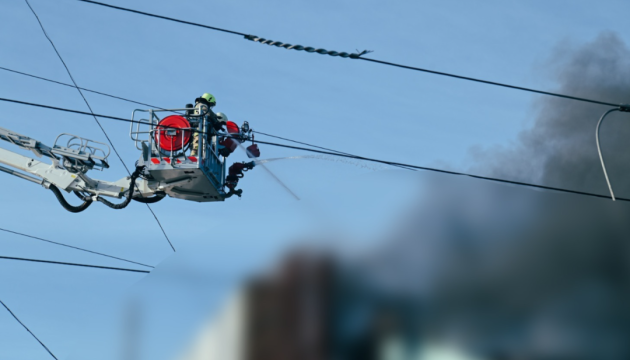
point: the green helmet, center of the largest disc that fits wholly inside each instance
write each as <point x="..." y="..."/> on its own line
<point x="209" y="98"/>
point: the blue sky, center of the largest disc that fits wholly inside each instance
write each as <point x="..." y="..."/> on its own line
<point x="349" y="105"/>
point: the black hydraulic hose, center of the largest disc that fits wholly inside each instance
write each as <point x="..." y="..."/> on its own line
<point x="132" y="186"/>
<point x="81" y="196"/>
<point x="151" y="200"/>
<point x="66" y="205"/>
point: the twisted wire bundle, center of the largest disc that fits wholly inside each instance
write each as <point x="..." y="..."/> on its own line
<point x="305" y="48"/>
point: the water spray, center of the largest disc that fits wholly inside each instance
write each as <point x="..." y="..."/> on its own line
<point x="258" y="162"/>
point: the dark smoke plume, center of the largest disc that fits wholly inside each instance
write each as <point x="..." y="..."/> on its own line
<point x="511" y="272"/>
<point x="559" y="150"/>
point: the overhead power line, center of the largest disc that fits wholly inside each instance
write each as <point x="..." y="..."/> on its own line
<point x="165" y="18"/>
<point x="356" y="56"/>
<point x="319" y="147"/>
<point x="489" y="82"/>
<point x="157" y="107"/>
<point x="95" y="118"/>
<point x="75" y="264"/>
<point x="68" y="110"/>
<point x="84" y="89"/>
<point x="27" y="329"/>
<point x="392" y="163"/>
<point x="136" y="102"/>
<point x="444" y="171"/>
<point x="74" y="247"/>
<point x="300" y="142"/>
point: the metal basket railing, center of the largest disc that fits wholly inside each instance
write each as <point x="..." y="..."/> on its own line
<point x="81" y="146"/>
<point x="143" y="130"/>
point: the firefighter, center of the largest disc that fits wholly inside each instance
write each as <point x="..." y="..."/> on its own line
<point x="204" y="105"/>
<point x="228" y="144"/>
<point x="235" y="172"/>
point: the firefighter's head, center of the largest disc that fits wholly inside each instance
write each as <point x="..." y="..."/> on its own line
<point x="209" y="98"/>
<point x="222" y="117"/>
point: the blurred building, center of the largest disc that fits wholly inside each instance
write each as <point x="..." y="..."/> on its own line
<point x="308" y="308"/>
<point x="557" y="289"/>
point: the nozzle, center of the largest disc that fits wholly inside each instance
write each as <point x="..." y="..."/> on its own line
<point x="238" y="193"/>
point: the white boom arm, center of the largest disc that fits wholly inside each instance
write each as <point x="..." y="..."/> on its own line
<point x="68" y="168"/>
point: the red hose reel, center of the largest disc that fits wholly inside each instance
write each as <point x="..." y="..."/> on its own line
<point x="170" y="133"/>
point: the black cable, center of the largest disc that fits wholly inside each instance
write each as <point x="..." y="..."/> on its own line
<point x="67" y="110"/>
<point x="299" y="142"/>
<point x="87" y="113"/>
<point x="161" y="227"/>
<point x="347" y="156"/>
<point x="27" y="329"/>
<point x="140" y="103"/>
<point x="84" y="89"/>
<point x="165" y="18"/>
<point x="318" y="147"/>
<point x="444" y="171"/>
<point x="75" y="83"/>
<point x="75" y="264"/>
<point x="73" y="247"/>
<point x="136" y="102"/>
<point x="95" y="118"/>
<point x="488" y="82"/>
<point x="357" y="56"/>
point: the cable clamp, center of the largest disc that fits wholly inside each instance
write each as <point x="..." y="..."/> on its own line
<point x="624" y="107"/>
<point x="359" y="54"/>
